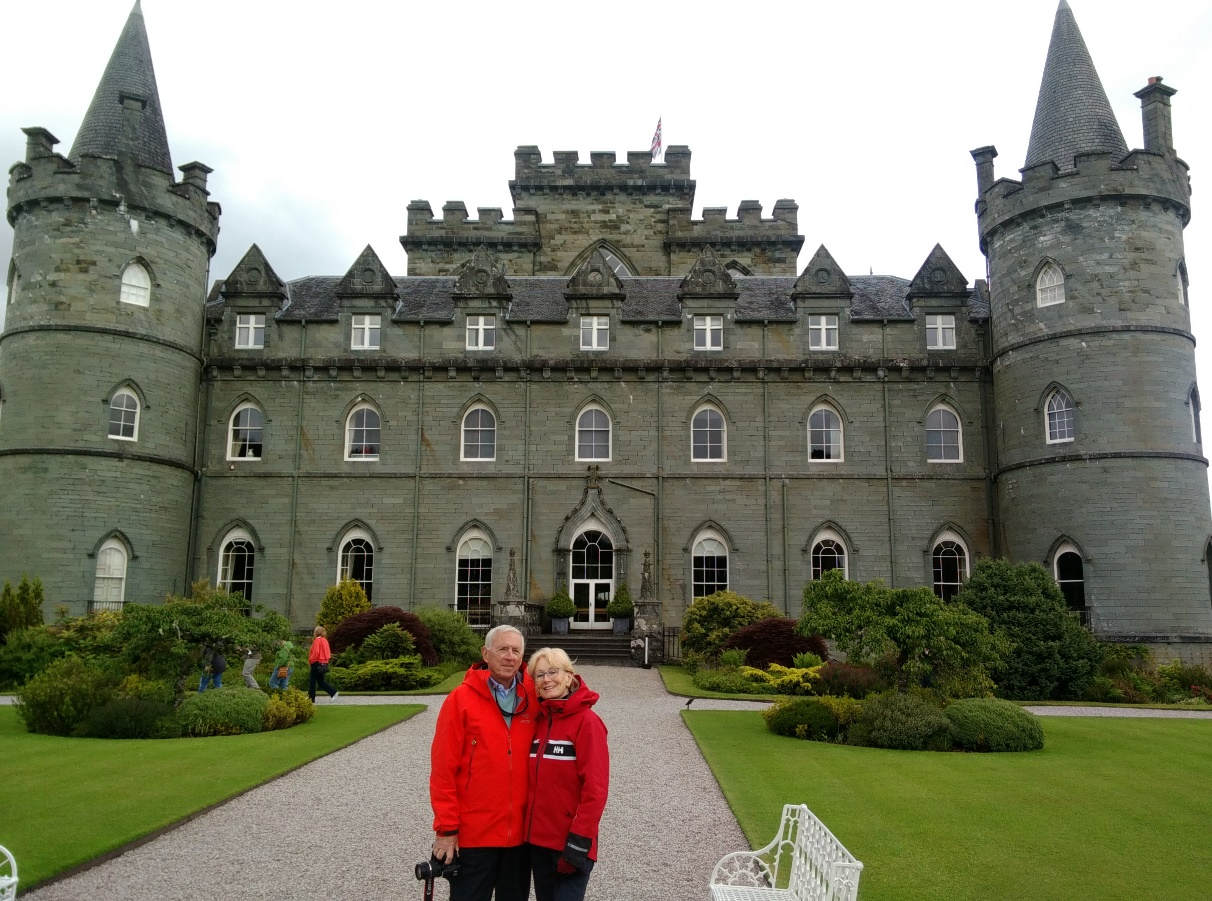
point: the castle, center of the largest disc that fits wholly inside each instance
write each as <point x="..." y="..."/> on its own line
<point x="603" y="390"/>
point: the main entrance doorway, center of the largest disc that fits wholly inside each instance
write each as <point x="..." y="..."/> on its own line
<point x="592" y="579"/>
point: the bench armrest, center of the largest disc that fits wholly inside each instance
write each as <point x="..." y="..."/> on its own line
<point x="743" y="868"/>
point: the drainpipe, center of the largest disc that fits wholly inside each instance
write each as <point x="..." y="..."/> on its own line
<point x="526" y="482"/>
<point x="888" y="463"/>
<point x="766" y="454"/>
<point x="294" y="499"/>
<point x="786" y="571"/>
<point x="660" y="492"/>
<point x="416" y="477"/>
<point x="201" y="419"/>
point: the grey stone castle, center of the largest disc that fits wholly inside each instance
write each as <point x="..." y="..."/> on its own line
<point x="602" y="390"/>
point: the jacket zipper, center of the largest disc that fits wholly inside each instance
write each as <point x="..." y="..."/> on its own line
<point x="538" y="761"/>
<point x="470" y="760"/>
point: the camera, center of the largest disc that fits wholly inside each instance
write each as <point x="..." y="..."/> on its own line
<point x="432" y="869"/>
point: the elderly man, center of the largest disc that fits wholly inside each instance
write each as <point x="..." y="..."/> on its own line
<point x="478" y="777"/>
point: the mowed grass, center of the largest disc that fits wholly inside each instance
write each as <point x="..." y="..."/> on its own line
<point x="1110" y="809"/>
<point x="679" y="682"/>
<point x="64" y="801"/>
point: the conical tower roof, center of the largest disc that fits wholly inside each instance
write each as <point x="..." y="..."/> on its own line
<point x="1072" y="114"/>
<point x="129" y="72"/>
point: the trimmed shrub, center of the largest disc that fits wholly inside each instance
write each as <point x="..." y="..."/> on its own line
<point x="403" y="674"/>
<point x="902" y="723"/>
<point x="1180" y="681"/>
<point x="728" y="681"/>
<point x="453" y="640"/>
<point x="59" y="698"/>
<point x="734" y="658"/>
<point x="774" y="640"/>
<point x="845" y="709"/>
<point x="287" y="708"/>
<point x="805" y="718"/>
<point x="341" y="601"/>
<point x="991" y="724"/>
<point x="847" y="679"/>
<point x="27" y="653"/>
<point x="711" y="620"/>
<point x="561" y="606"/>
<point x="140" y="688"/>
<point x="125" y="718"/>
<point x="788" y="680"/>
<point x="621" y="605"/>
<point x="223" y="711"/>
<point x="388" y="643"/>
<point x="354" y="631"/>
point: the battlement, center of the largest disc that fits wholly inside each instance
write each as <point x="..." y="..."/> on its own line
<point x="639" y="175"/>
<point x="748" y="228"/>
<point x="456" y="229"/>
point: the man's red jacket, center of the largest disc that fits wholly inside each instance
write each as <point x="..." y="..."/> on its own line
<point x="569" y="772"/>
<point x="478" y="777"/>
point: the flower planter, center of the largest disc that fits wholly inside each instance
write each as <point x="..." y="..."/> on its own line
<point x="621" y="626"/>
<point x="559" y="625"/>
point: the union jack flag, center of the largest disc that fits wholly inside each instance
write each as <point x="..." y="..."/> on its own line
<point x="656" y="142"/>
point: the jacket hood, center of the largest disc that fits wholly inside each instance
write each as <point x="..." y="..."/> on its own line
<point x="582" y="698"/>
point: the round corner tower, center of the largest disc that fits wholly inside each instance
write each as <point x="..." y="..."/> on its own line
<point x="101" y="353"/>
<point x="1101" y="473"/>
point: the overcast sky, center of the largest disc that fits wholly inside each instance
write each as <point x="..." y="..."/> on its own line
<point x="322" y="121"/>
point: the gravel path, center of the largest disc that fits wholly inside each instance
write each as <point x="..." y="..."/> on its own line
<point x="352" y="824"/>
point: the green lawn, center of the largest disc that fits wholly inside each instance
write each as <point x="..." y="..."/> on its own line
<point x="65" y="801"/>
<point x="1110" y="809"/>
<point x="679" y="682"/>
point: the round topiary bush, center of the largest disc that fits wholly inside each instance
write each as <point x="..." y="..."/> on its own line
<point x="453" y="639"/>
<point x="804" y="718"/>
<point x="58" y="699"/>
<point x="388" y="643"/>
<point x="356" y="629"/>
<point x="222" y="711"/>
<point x="774" y="640"/>
<point x="287" y="708"/>
<point x="991" y="724"/>
<point x="901" y="722"/>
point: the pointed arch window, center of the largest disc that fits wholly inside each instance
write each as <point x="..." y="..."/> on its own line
<point x="944" y="440"/>
<point x="236" y="558"/>
<point x="950" y="564"/>
<point x="109" y="581"/>
<point x="825" y="435"/>
<point x="1197" y="433"/>
<point x="1061" y="417"/>
<point x="136" y="285"/>
<point x="474" y="581"/>
<point x="1069" y="571"/>
<point x="362" y="429"/>
<point x="1180" y="273"/>
<point x="124" y="415"/>
<point x="709" y="564"/>
<point x="1050" y="286"/>
<point x="245" y="433"/>
<point x="593" y="434"/>
<point x="14" y="282"/>
<point x="356" y="560"/>
<point x="479" y="435"/>
<point x="709" y="437"/>
<point x="829" y="553"/>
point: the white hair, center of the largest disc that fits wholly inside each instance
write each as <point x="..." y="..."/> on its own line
<point x="497" y="630"/>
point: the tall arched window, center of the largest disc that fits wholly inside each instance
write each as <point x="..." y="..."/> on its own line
<point x="1197" y="433"/>
<point x="708" y="435"/>
<point x="109" y="582"/>
<point x="592" y="578"/>
<point x="828" y="552"/>
<point x="474" y="583"/>
<point x="944" y="442"/>
<point x="593" y="435"/>
<point x="1050" y="286"/>
<point x="1061" y="424"/>
<point x="245" y="433"/>
<point x="1069" y="571"/>
<point x="136" y="285"/>
<point x="825" y="435"/>
<point x="479" y="435"/>
<point x="950" y="559"/>
<point x="709" y="564"/>
<point x="124" y="415"/>
<point x="362" y="433"/>
<point x="236" y="558"/>
<point x="357" y="560"/>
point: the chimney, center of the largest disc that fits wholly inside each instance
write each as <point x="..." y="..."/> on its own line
<point x="1155" y="113"/>
<point x="984" y="157"/>
<point x="38" y="143"/>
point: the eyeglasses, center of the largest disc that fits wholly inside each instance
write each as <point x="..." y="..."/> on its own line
<point x="540" y="675"/>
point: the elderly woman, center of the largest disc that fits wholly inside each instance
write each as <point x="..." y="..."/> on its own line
<point x="569" y="778"/>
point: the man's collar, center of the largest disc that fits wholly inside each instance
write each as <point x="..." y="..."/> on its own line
<point x="502" y="689"/>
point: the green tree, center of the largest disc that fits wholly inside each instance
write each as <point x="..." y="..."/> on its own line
<point x="1051" y="655"/>
<point x="9" y="619"/>
<point x="29" y="601"/>
<point x="928" y="639"/>
<point x="711" y="619"/>
<point x="341" y="601"/>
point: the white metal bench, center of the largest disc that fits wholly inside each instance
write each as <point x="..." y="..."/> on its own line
<point x="8" y="875"/>
<point x="805" y="862"/>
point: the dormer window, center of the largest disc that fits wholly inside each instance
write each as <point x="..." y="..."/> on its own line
<point x="708" y="332"/>
<point x="481" y="332"/>
<point x="366" y="330"/>
<point x="1050" y="286"/>
<point x="595" y="333"/>
<point x="940" y="331"/>
<point x="250" y="331"/>
<point x="822" y="333"/>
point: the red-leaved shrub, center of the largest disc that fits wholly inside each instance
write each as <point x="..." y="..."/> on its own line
<point x="849" y="680"/>
<point x="774" y="640"/>
<point x="355" y="630"/>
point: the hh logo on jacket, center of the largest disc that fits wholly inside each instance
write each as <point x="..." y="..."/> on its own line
<point x="554" y="750"/>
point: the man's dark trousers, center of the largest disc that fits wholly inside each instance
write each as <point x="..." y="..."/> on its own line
<point x="481" y="870"/>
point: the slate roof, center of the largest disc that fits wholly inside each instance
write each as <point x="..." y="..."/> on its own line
<point x="129" y="71"/>
<point x="1072" y="114"/>
<point x="541" y="299"/>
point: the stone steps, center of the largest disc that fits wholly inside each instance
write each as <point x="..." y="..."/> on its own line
<point x="598" y="648"/>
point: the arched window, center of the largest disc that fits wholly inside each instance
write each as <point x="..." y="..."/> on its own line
<point x="1069" y="570"/>
<point x="1197" y="434"/>
<point x="136" y="285"/>
<point x="708" y="435"/>
<point x="362" y="434"/>
<point x="124" y="415"/>
<point x="14" y="282"/>
<point x="944" y="443"/>
<point x="474" y="589"/>
<point x="1180" y="273"/>
<point x="479" y="435"/>
<point x="236" y="558"/>
<point x="1050" y="286"/>
<point x="357" y="560"/>
<point x="245" y="433"/>
<point x="709" y="564"/>
<point x="109" y="583"/>
<point x="950" y="559"/>
<point x="1061" y="425"/>
<point x="825" y="435"/>
<point x="828" y="552"/>
<point x="593" y="435"/>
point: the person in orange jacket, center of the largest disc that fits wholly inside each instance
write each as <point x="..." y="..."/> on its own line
<point x="318" y="657"/>
<point x="478" y="778"/>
